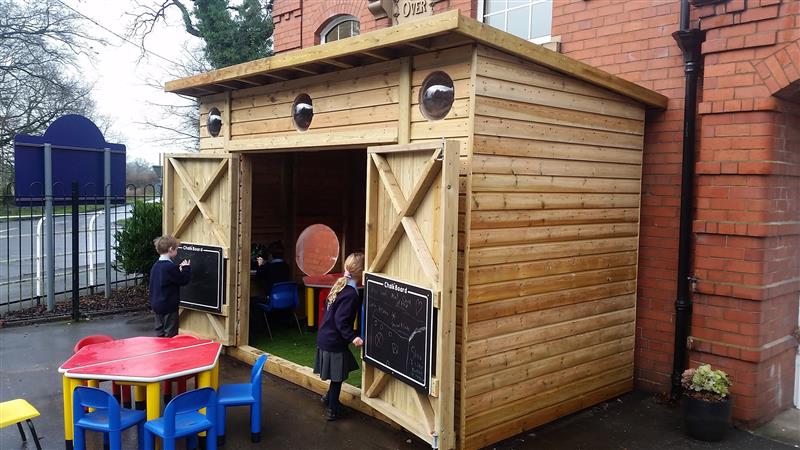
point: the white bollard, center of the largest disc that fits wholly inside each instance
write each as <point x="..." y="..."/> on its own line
<point x="90" y="253"/>
<point x="39" y="259"/>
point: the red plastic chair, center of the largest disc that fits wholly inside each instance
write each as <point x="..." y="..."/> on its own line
<point x="89" y="340"/>
<point x="123" y="396"/>
<point x="323" y="297"/>
<point x="181" y="381"/>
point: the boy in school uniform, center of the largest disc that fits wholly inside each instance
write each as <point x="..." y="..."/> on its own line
<point x="166" y="278"/>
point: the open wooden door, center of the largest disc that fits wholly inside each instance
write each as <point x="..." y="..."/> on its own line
<point x="412" y="226"/>
<point x="200" y="207"/>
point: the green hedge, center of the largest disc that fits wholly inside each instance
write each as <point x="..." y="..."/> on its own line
<point x="135" y="251"/>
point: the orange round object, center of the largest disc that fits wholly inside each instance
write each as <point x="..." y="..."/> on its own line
<point x="317" y="250"/>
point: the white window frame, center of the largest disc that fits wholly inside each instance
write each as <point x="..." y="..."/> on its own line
<point x="335" y="23"/>
<point x="540" y="40"/>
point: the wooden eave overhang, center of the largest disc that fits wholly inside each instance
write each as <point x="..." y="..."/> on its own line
<point x="404" y="40"/>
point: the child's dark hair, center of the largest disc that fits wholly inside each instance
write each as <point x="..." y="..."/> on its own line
<point x="276" y="250"/>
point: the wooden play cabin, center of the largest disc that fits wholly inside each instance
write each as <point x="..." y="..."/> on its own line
<point x="518" y="210"/>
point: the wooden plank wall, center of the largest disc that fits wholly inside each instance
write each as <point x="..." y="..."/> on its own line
<point x="355" y="106"/>
<point x="458" y="63"/>
<point x="553" y="239"/>
<point x="271" y="184"/>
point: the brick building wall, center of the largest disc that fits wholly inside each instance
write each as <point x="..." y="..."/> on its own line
<point x="747" y="219"/>
<point x="298" y="22"/>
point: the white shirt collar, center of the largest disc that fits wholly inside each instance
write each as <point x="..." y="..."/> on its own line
<point x="164" y="258"/>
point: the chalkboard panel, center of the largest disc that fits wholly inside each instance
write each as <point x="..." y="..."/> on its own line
<point x="400" y="326"/>
<point x="206" y="290"/>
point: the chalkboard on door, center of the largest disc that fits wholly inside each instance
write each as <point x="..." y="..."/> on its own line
<point x="400" y="330"/>
<point x="206" y="289"/>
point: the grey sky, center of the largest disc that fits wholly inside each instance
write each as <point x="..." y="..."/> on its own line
<point x="119" y="77"/>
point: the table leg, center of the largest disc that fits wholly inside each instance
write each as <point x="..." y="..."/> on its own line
<point x="92" y="384"/>
<point x="153" y="403"/>
<point x="67" y="398"/>
<point x="153" y="400"/>
<point x="215" y="377"/>
<point x="310" y="303"/>
<point x="138" y="397"/>
<point x="68" y="385"/>
<point x="204" y="379"/>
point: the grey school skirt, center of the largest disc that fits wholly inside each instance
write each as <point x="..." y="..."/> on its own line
<point x="334" y="366"/>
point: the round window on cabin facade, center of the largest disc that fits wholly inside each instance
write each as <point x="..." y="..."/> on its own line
<point x="214" y="122"/>
<point x="302" y="112"/>
<point x="436" y="96"/>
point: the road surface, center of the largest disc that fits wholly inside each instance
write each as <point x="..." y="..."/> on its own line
<point x="20" y="244"/>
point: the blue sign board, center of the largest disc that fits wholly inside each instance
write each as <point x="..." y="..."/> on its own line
<point x="77" y="154"/>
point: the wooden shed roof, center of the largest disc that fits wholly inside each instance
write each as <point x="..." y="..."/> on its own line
<point x="388" y="43"/>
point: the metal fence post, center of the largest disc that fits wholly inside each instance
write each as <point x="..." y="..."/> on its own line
<point x="76" y="262"/>
<point x="107" y="208"/>
<point x="50" y="237"/>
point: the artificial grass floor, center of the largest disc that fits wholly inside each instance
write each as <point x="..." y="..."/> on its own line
<point x="288" y="344"/>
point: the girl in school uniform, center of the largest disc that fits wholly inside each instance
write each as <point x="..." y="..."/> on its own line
<point x="334" y="361"/>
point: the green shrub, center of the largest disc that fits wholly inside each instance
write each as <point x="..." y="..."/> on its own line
<point x="135" y="251"/>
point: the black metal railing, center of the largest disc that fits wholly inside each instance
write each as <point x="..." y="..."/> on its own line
<point x="23" y="255"/>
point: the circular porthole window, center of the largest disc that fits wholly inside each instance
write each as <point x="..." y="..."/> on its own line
<point x="436" y="96"/>
<point x="214" y="122"/>
<point x="302" y="112"/>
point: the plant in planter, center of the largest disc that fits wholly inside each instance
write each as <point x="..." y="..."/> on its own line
<point x="706" y="404"/>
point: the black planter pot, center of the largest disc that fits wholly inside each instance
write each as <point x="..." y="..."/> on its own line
<point x="705" y="420"/>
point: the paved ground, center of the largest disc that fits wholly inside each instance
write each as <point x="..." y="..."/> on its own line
<point x="293" y="417"/>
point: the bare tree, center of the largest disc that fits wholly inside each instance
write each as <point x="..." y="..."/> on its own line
<point x="140" y="173"/>
<point x="177" y="123"/>
<point x="39" y="45"/>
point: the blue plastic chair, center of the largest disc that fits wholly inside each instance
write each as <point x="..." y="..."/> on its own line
<point x="182" y="418"/>
<point x="107" y="417"/>
<point x="242" y="395"/>
<point x="282" y="296"/>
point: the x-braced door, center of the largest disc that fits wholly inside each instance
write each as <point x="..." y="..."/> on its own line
<point x="200" y="206"/>
<point x="412" y="226"/>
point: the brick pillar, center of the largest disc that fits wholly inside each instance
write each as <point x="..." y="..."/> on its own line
<point x="747" y="227"/>
<point x="748" y="206"/>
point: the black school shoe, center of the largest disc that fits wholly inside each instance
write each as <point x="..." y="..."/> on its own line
<point x="331" y="415"/>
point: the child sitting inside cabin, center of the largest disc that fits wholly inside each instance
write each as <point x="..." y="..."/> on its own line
<point x="273" y="269"/>
<point x="165" y="280"/>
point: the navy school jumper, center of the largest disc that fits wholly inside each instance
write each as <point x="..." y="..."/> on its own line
<point x="165" y="280"/>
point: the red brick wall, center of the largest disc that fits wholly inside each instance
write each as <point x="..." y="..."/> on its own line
<point x="747" y="221"/>
<point x="298" y="22"/>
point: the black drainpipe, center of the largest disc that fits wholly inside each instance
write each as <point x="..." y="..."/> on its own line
<point x="689" y="41"/>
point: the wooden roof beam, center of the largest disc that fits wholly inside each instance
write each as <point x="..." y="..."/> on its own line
<point x="424" y="45"/>
<point x="381" y="55"/>
<point x="304" y="70"/>
<point x="277" y="77"/>
<point x="248" y="81"/>
<point x="338" y="63"/>
<point x="230" y="84"/>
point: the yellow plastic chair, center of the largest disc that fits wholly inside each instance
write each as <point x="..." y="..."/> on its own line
<point x="18" y="411"/>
